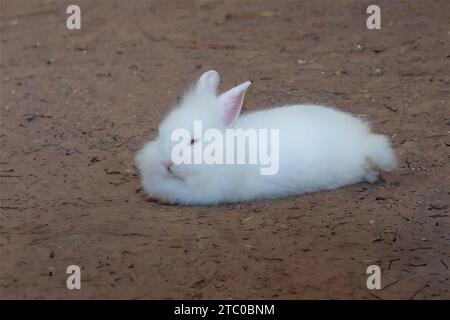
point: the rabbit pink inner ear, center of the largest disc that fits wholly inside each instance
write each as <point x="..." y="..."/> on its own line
<point x="209" y="80"/>
<point x="231" y="102"/>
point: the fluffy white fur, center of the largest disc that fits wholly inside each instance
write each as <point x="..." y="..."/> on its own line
<point x="320" y="149"/>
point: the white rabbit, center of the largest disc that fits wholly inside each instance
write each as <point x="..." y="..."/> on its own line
<point x="320" y="148"/>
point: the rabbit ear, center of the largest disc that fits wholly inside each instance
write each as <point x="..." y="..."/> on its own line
<point x="231" y="102"/>
<point x="209" y="81"/>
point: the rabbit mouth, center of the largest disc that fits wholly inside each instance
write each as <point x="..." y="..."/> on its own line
<point x="169" y="172"/>
<point x="173" y="175"/>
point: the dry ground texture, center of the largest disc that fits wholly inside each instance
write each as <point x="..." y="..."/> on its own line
<point x="76" y="105"/>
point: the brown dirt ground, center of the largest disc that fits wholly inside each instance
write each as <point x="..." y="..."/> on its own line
<point x="77" y="105"/>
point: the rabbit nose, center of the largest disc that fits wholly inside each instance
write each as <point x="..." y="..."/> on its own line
<point x="168" y="164"/>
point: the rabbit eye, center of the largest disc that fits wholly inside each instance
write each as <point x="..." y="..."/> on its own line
<point x="193" y="141"/>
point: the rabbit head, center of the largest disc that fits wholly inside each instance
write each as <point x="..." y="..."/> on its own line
<point x="200" y="103"/>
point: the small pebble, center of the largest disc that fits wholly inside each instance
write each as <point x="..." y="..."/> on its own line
<point x="376" y="72"/>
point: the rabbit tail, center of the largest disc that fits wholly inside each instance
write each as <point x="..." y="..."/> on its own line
<point x="379" y="153"/>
